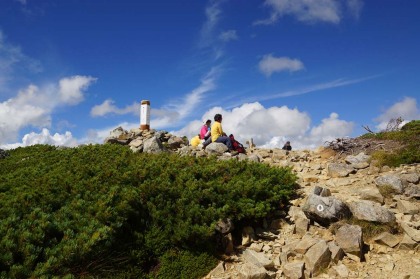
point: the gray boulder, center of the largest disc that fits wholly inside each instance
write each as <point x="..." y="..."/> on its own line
<point x="175" y="142"/>
<point x="317" y="258"/>
<point x="117" y="132"/>
<point x="360" y="161"/>
<point x="323" y="192"/>
<point x="336" y="252"/>
<point x="411" y="232"/>
<point x="296" y="213"/>
<point x="407" y="243"/>
<point x="305" y="243"/>
<point x="359" y="158"/>
<point x="410" y="177"/>
<point x="325" y="210"/>
<point x="254" y="158"/>
<point x="371" y="211"/>
<point x="257" y="259"/>
<point x="407" y="207"/>
<point x="387" y="239"/>
<point x="390" y="180"/>
<point x="153" y="145"/>
<point x="350" y="239"/>
<point x="339" y="170"/>
<point x="250" y="271"/>
<point x="371" y="194"/>
<point x="294" y="270"/>
<point x="138" y="142"/>
<point x="412" y="191"/>
<point x="216" y="148"/>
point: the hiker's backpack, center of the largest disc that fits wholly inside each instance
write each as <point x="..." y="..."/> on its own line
<point x="237" y="146"/>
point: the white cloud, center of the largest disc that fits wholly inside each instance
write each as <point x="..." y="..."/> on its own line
<point x="44" y="137"/>
<point x="33" y="106"/>
<point x="108" y="107"/>
<point x="272" y="127"/>
<point x="330" y="129"/>
<point x="311" y="11"/>
<point x="268" y="127"/>
<point x="213" y="12"/>
<point x="406" y="109"/>
<point x="228" y="35"/>
<point x="270" y="64"/>
<point x="71" y="89"/>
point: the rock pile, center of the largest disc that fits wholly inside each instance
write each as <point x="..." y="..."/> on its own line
<point x="148" y="141"/>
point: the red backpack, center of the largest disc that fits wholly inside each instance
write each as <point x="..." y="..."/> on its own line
<point x="237" y="146"/>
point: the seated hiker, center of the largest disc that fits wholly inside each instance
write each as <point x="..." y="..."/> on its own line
<point x="205" y="133"/>
<point x="217" y="134"/>
<point x="287" y="146"/>
<point x="195" y="141"/>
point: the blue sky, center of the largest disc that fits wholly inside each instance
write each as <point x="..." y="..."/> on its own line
<point x="298" y="70"/>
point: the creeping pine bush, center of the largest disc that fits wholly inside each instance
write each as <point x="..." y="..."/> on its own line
<point x="103" y="211"/>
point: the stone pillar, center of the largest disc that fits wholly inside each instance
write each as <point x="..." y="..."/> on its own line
<point x="145" y="115"/>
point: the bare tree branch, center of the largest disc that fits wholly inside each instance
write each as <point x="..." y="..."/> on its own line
<point x="368" y="129"/>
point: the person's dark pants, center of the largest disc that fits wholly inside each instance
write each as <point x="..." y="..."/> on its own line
<point x="226" y="141"/>
<point x="207" y="142"/>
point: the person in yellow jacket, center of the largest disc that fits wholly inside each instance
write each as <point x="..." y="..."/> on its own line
<point x="217" y="134"/>
<point x="195" y="141"/>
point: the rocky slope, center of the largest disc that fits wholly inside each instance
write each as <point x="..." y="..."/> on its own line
<point x="321" y="233"/>
<point x="321" y="236"/>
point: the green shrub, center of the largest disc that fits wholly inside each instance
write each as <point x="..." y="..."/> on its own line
<point x="407" y="155"/>
<point x="101" y="210"/>
<point x="412" y="126"/>
<point x="185" y="265"/>
<point x="409" y="140"/>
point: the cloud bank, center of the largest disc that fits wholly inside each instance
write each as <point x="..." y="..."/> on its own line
<point x="34" y="105"/>
<point x="271" y="127"/>
<point x="44" y="137"/>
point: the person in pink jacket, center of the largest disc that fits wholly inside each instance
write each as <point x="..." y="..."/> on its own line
<point x="205" y="133"/>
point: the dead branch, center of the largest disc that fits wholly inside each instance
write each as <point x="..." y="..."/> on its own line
<point x="368" y="129"/>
